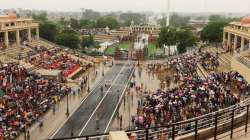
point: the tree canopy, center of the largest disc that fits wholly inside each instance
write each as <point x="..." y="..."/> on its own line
<point x="213" y="32"/>
<point x="68" y="39"/>
<point x="87" y="41"/>
<point x="40" y="17"/>
<point x="48" y="30"/>
<point x="138" y="18"/>
<point x="183" y="38"/>
<point x="103" y="22"/>
<point x="186" y="38"/>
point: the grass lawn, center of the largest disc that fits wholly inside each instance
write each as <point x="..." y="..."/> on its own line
<point x="110" y="50"/>
<point x="124" y="45"/>
<point x="151" y="49"/>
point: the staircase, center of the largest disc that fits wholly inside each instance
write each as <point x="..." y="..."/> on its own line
<point x="201" y="71"/>
<point x="224" y="58"/>
<point x="15" y="52"/>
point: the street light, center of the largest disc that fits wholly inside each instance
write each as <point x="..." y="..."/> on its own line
<point x="67" y="112"/>
<point x="103" y="69"/>
<point x="88" y="82"/>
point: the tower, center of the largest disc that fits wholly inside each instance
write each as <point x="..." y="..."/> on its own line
<point x="168" y="13"/>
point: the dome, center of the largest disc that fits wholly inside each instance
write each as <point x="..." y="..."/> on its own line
<point x="12" y="15"/>
<point x="245" y="20"/>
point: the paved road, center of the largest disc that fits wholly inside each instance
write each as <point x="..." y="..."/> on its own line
<point x="97" y="105"/>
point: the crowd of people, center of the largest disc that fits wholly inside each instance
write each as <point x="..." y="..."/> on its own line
<point x="209" y="61"/>
<point x="192" y="97"/>
<point x="24" y="98"/>
<point x="53" y="59"/>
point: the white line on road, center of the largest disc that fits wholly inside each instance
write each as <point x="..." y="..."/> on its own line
<point x="90" y="93"/>
<point x="117" y="105"/>
<point x="100" y="102"/>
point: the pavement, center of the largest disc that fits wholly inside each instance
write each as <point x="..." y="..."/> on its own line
<point x="96" y="112"/>
<point x="53" y="120"/>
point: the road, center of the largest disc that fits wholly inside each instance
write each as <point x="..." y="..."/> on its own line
<point x="98" y="108"/>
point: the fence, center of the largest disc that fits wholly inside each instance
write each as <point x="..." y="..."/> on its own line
<point x="203" y="127"/>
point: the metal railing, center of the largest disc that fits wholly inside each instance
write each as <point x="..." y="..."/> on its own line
<point x="203" y="127"/>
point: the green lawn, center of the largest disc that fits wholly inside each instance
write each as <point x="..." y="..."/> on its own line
<point x="110" y="50"/>
<point x="151" y="49"/>
<point x="124" y="45"/>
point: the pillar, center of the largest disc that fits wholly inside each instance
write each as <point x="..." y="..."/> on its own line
<point x="29" y="34"/>
<point x="224" y="37"/>
<point x="228" y="40"/>
<point x="17" y="38"/>
<point x="242" y="46"/>
<point x="37" y="33"/>
<point x="6" y="38"/>
<point x="249" y="44"/>
<point x="235" y="42"/>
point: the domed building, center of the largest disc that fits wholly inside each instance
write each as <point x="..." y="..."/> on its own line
<point x="236" y="35"/>
<point x="16" y="29"/>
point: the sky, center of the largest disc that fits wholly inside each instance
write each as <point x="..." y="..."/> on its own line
<point x="233" y="6"/>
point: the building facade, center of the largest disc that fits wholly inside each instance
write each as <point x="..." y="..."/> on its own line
<point x="236" y="36"/>
<point x="11" y="26"/>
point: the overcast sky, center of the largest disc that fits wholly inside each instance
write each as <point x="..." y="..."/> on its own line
<point x="132" y="5"/>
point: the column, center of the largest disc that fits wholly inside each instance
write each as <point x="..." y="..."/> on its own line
<point x="224" y="37"/>
<point x="37" y="33"/>
<point x="6" y="38"/>
<point x="235" y="42"/>
<point x="242" y="46"/>
<point x="228" y="40"/>
<point x="29" y="34"/>
<point x="17" y="38"/>
<point x="249" y="44"/>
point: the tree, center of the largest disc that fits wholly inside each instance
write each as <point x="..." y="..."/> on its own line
<point x="74" y="23"/>
<point x="70" y="40"/>
<point x="167" y="37"/>
<point x="138" y="18"/>
<point x="89" y="14"/>
<point x="87" y="41"/>
<point x="87" y="24"/>
<point x="48" y="30"/>
<point x="40" y="17"/>
<point x="185" y="38"/>
<point x="213" y="32"/>
<point x="103" y="22"/>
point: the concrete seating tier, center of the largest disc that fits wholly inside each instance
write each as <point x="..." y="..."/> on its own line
<point x="15" y="52"/>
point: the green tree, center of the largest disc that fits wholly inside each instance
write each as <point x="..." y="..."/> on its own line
<point x="48" y="30"/>
<point x="103" y="22"/>
<point x="185" y="38"/>
<point x="40" y="17"/>
<point x="213" y="32"/>
<point x="89" y="14"/>
<point x="167" y="37"/>
<point x="87" y="41"/>
<point x="138" y="18"/>
<point x="87" y="24"/>
<point x="70" y="40"/>
<point x="74" y="23"/>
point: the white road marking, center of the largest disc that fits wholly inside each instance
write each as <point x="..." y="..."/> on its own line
<point x="100" y="103"/>
<point x="117" y="105"/>
<point x="90" y="93"/>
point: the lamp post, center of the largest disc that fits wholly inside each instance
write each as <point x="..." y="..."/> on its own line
<point x="103" y="69"/>
<point x="67" y="112"/>
<point x="88" y="82"/>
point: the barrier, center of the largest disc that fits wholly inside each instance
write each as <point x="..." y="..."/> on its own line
<point x="203" y="127"/>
